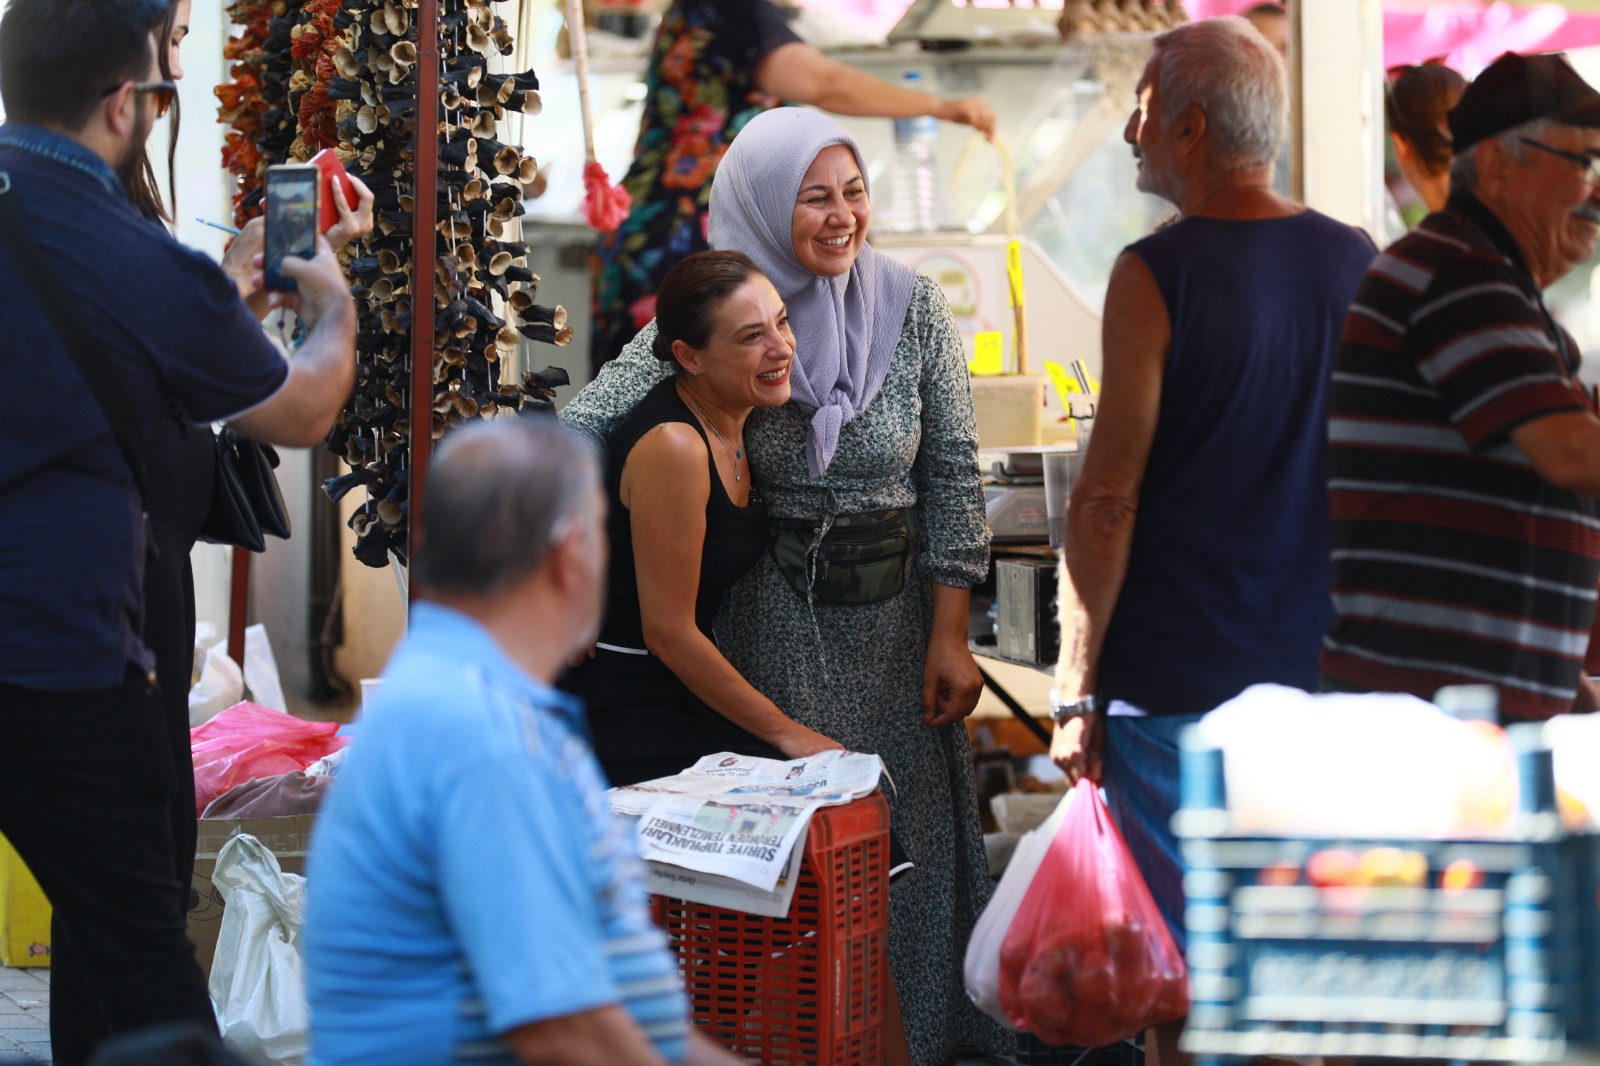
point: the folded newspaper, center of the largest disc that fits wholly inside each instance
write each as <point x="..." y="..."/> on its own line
<point x="739" y="823"/>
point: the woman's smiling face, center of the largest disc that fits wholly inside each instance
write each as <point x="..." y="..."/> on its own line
<point x="831" y="213"/>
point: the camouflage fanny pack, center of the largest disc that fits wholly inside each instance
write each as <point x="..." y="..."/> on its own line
<point x="863" y="558"/>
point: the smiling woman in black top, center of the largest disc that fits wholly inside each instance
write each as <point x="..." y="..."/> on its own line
<point x="684" y="528"/>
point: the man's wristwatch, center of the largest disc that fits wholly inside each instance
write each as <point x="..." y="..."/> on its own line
<point x="1061" y="710"/>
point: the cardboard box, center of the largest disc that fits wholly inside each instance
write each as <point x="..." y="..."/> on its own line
<point x="288" y="838"/>
<point x="24" y="913"/>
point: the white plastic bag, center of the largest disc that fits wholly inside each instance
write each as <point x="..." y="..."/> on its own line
<point x="981" y="970"/>
<point x="258" y="977"/>
<point x="221" y="685"/>
<point x="261" y="670"/>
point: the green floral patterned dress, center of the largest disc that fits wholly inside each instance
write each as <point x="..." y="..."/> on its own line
<point x="700" y="90"/>
<point x="855" y="673"/>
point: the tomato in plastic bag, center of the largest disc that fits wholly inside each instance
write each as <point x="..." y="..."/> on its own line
<point x="1088" y="959"/>
<point x="248" y="741"/>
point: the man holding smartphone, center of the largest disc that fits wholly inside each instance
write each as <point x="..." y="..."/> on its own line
<point x="86" y="793"/>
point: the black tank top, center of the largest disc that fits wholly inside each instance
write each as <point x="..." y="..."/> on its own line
<point x="735" y="536"/>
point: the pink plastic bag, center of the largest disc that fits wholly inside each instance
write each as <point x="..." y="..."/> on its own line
<point x="1088" y="959"/>
<point x="248" y="741"/>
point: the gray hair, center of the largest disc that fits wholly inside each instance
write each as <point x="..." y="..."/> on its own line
<point x="1464" y="167"/>
<point x="1228" y="70"/>
<point x="498" y="495"/>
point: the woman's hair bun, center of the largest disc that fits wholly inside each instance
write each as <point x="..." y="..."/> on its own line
<point x="687" y="301"/>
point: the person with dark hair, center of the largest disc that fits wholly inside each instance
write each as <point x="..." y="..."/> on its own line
<point x="474" y="896"/>
<point x="714" y="65"/>
<point x="180" y="457"/>
<point x="1416" y="102"/>
<point x="684" y="527"/>
<point x="88" y="800"/>
<point x="145" y="190"/>
<point x="855" y="619"/>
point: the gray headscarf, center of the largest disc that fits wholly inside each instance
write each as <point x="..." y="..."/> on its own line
<point x="845" y="328"/>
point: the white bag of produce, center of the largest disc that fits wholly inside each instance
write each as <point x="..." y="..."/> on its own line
<point x="1377" y="765"/>
<point x="221" y="685"/>
<point x="258" y="977"/>
<point x="1574" y="742"/>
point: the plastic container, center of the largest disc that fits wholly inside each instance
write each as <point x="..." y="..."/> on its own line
<point x="1009" y="409"/>
<point x="1498" y="966"/>
<point x="1060" y="474"/>
<point x="810" y="987"/>
<point x="914" y="188"/>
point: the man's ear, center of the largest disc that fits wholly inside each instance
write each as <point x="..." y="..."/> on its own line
<point x="564" y="554"/>
<point x="1191" y="128"/>
<point x="118" y="109"/>
<point x="1494" y="165"/>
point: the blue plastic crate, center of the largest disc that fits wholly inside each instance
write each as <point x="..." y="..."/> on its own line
<point x="1501" y="971"/>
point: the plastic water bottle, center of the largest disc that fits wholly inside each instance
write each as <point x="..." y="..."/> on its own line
<point x="915" y="191"/>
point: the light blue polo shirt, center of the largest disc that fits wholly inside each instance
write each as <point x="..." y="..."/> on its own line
<point x="466" y="876"/>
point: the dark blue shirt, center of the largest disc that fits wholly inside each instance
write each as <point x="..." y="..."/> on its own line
<point x="1228" y="575"/>
<point x="172" y="326"/>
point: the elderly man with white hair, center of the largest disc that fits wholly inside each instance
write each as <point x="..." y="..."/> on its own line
<point x="1465" y="452"/>
<point x="1196" y="559"/>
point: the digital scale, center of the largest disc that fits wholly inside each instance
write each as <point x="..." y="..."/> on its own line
<point x="1013" y="492"/>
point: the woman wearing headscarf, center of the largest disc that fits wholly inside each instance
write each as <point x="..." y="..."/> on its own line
<point x="715" y="64"/>
<point x="855" y="620"/>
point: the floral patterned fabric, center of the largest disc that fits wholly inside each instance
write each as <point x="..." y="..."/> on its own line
<point x="700" y="90"/>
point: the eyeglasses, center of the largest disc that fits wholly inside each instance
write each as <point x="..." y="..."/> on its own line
<point x="163" y="93"/>
<point x="1589" y="163"/>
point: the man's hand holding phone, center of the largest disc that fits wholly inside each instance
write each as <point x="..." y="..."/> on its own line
<point x="320" y="286"/>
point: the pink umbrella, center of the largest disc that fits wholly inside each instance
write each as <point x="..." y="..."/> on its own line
<point x="1467" y="34"/>
<point x="604" y="205"/>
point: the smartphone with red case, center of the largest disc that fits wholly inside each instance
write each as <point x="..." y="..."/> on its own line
<point x="291" y="214"/>
<point x="327" y="162"/>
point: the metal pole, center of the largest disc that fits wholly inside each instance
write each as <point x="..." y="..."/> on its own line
<point x="238" y="603"/>
<point x="425" y="193"/>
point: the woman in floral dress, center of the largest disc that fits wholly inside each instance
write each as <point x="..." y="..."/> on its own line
<point x="715" y="65"/>
<point x="880" y="421"/>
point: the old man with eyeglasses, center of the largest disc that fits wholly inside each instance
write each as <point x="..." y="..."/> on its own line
<point x="1465" y="453"/>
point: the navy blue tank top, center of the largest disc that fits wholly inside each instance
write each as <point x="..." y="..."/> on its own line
<point x="735" y="536"/>
<point x="1227" y="582"/>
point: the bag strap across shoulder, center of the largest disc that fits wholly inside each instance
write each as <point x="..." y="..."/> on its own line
<point x="72" y="330"/>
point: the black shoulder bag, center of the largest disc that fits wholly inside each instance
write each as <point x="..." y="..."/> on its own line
<point x="246" y="503"/>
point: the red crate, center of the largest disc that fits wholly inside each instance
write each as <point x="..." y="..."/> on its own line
<point x="808" y="988"/>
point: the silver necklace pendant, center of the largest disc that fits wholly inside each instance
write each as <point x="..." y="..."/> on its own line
<point x="735" y="453"/>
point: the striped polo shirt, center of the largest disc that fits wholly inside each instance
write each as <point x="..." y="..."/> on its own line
<point x="1453" y="561"/>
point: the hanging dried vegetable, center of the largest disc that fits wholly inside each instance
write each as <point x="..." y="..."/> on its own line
<point x="312" y="74"/>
